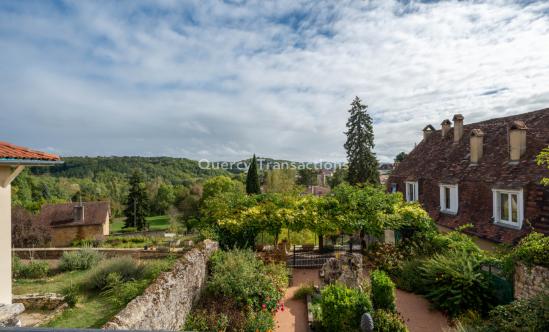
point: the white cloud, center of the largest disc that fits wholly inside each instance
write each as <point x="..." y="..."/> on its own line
<point x="276" y="78"/>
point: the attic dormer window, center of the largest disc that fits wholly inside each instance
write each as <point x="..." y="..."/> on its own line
<point x="449" y="198"/>
<point x="412" y="191"/>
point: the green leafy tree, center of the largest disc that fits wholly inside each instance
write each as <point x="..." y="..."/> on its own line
<point x="164" y="199"/>
<point x="543" y="159"/>
<point x="340" y="176"/>
<point x="219" y="185"/>
<point x="252" y="178"/>
<point x="307" y="177"/>
<point x="280" y="180"/>
<point x="136" y="203"/>
<point x="360" y="144"/>
<point x="400" y="157"/>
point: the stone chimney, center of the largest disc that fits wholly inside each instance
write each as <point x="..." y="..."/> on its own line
<point x="78" y="212"/>
<point x="446" y="126"/>
<point x="517" y="140"/>
<point x="428" y="130"/>
<point x="477" y="143"/>
<point x="458" y="127"/>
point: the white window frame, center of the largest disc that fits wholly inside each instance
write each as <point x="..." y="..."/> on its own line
<point x="497" y="208"/>
<point x="454" y="198"/>
<point x="412" y="196"/>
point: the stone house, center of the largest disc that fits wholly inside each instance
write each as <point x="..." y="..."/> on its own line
<point x="67" y="222"/>
<point x="484" y="174"/>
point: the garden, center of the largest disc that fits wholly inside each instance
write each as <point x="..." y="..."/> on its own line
<point x="472" y="287"/>
<point x="94" y="287"/>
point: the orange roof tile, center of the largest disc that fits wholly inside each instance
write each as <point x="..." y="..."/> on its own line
<point x="10" y="151"/>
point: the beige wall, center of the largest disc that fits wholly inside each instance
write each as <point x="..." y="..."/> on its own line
<point x="5" y="237"/>
<point x="63" y="236"/>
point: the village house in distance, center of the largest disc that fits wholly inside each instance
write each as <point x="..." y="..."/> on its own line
<point x="481" y="173"/>
<point x="68" y="222"/>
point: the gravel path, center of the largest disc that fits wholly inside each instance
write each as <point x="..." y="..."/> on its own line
<point x="294" y="316"/>
<point x="417" y="314"/>
<point x="413" y="308"/>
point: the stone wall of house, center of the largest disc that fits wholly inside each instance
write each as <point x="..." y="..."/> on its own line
<point x="165" y="304"/>
<point x="63" y="236"/>
<point x="530" y="281"/>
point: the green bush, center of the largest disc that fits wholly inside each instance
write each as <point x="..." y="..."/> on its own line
<point x="532" y="250"/>
<point x="127" y="267"/>
<point x="386" y="257"/>
<point x="32" y="270"/>
<point x="410" y="278"/>
<point x="238" y="274"/>
<point x="79" y="260"/>
<point x="261" y="321"/>
<point x="342" y="308"/>
<point x="455" y="283"/>
<point x="120" y="292"/>
<point x="522" y="315"/>
<point x="71" y="294"/>
<point x="387" y="321"/>
<point x="383" y="291"/>
<point x="303" y="291"/>
<point x="213" y="314"/>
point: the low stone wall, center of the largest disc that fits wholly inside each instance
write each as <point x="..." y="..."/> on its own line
<point x="165" y="304"/>
<point x="56" y="253"/>
<point x="48" y="301"/>
<point x="530" y="281"/>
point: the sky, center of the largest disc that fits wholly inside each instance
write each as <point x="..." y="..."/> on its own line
<point x="221" y="80"/>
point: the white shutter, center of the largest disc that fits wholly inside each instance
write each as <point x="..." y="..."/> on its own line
<point x="442" y="200"/>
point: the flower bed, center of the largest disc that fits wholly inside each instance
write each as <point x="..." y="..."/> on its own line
<point x="242" y="294"/>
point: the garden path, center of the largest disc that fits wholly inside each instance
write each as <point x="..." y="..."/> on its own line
<point x="294" y="316"/>
<point x="417" y="314"/>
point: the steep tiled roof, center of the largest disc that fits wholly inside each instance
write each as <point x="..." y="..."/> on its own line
<point x="10" y="151"/>
<point x="62" y="215"/>
<point x="439" y="158"/>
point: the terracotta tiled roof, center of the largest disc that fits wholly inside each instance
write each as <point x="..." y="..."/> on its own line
<point x="10" y="151"/>
<point x="62" y="215"/>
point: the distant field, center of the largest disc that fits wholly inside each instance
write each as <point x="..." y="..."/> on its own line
<point x="158" y="223"/>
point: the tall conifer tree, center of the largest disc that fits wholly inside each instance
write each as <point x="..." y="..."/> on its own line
<point x="136" y="203"/>
<point x="252" y="179"/>
<point x="360" y="144"/>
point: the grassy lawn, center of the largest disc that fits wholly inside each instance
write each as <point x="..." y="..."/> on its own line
<point x="93" y="312"/>
<point x="93" y="309"/>
<point x="157" y="223"/>
<point x="53" y="284"/>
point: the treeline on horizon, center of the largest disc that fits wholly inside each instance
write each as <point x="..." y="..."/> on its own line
<point x="170" y="182"/>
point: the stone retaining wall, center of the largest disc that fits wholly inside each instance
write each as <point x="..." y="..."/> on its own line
<point x="48" y="301"/>
<point x="530" y="281"/>
<point x="56" y="253"/>
<point x="165" y="304"/>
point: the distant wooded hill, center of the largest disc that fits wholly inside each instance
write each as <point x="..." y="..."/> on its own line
<point x="171" y="170"/>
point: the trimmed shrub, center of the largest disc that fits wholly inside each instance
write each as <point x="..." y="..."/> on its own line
<point x="455" y="283"/>
<point x="126" y="267"/>
<point x="79" y="260"/>
<point x="217" y="314"/>
<point x="343" y="307"/>
<point x="383" y="291"/>
<point x="387" y="321"/>
<point x="533" y="250"/>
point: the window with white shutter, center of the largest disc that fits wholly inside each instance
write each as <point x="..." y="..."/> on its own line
<point x="449" y="199"/>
